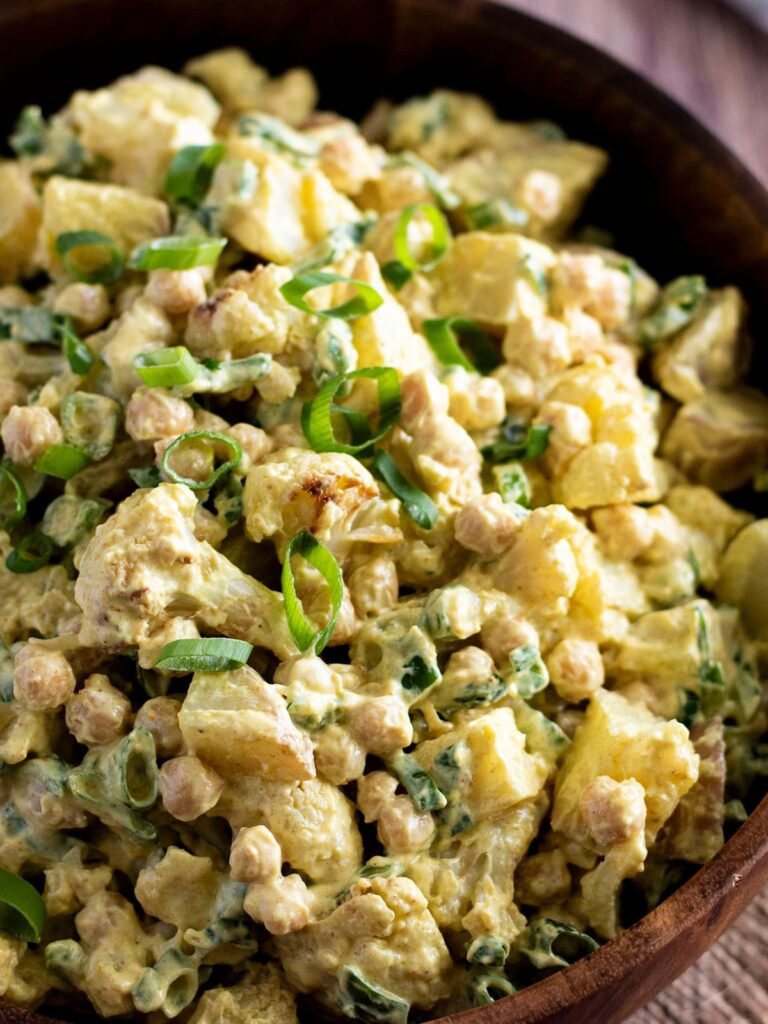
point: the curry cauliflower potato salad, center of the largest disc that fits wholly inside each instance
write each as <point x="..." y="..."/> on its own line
<point x="370" y="614"/>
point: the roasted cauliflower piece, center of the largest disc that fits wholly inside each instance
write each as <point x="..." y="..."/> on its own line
<point x="144" y="566"/>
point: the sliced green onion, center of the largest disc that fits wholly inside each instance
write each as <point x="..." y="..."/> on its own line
<point x="166" y="367"/>
<point x="31" y="553"/>
<point x="201" y="435"/>
<point x="444" y="335"/>
<point x="677" y="306"/>
<point x="79" y="356"/>
<point x="496" y="215"/>
<point x="22" y="910"/>
<point x="401" y="269"/>
<point x="191" y="171"/>
<point x="434" y="181"/>
<point x="215" y="654"/>
<point x="13" y="498"/>
<point x="30" y="324"/>
<point x="365" y="302"/>
<point x="145" y="476"/>
<point x="62" y="461"/>
<point x="305" y="635"/>
<point x="418" y="783"/>
<point x="278" y="135"/>
<point x="317" y="415"/>
<point x="518" y="442"/>
<point x="176" y="252"/>
<point x="418" y="505"/>
<point x="110" y="267"/>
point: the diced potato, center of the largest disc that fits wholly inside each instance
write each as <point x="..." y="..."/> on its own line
<point x="141" y="120"/>
<point x="492" y="278"/>
<point x="499" y="772"/>
<point x="280" y="211"/>
<point x="239" y="724"/>
<point x="743" y="575"/>
<point x="19" y="221"/>
<point x="711" y="352"/>
<point x="625" y="741"/>
<point x="262" y="998"/>
<point x="125" y="215"/>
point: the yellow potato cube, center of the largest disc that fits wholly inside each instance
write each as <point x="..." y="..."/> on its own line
<point x="19" y="221"/>
<point x="123" y="214"/>
<point x="496" y="772"/>
<point x="625" y="741"/>
<point x="238" y="723"/>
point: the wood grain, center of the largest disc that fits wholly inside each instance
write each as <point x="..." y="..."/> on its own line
<point x="704" y="54"/>
<point x="715" y="64"/>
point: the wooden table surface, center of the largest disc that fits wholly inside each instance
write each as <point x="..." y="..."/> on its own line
<point x="715" y="63"/>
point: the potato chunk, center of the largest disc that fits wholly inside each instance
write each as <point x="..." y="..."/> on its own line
<point x="239" y="724"/>
<point x="625" y="741"/>
<point x="19" y="221"/>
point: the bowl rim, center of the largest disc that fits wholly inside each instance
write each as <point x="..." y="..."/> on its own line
<point x="698" y="903"/>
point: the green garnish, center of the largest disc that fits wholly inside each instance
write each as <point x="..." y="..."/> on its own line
<point x="62" y="461"/>
<point x="518" y="442"/>
<point x="496" y="215"/>
<point x="22" y="910"/>
<point x="176" y="252"/>
<point x="417" y="782"/>
<point x="166" y="367"/>
<point x="317" y="415"/>
<point x="71" y="243"/>
<point x="365" y="302"/>
<point x="402" y="268"/>
<point x="418" y="505"/>
<point x="305" y="635"/>
<point x="30" y="554"/>
<point x="13" y="497"/>
<point x="191" y="171"/>
<point x="678" y="305"/>
<point x="212" y="654"/>
<point x="446" y="335"/>
<point x="192" y="436"/>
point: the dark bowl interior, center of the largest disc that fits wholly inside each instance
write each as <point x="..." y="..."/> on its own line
<point x="675" y="199"/>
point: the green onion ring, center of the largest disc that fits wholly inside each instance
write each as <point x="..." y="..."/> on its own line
<point x="418" y="505"/>
<point x="305" y="635"/>
<point x="443" y="335"/>
<point x="201" y="435"/>
<point x="111" y="269"/>
<point x="366" y="301"/>
<point x="316" y="415"/>
<point x="22" y="910"/>
<point x="30" y="554"/>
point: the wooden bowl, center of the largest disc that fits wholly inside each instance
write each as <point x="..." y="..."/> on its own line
<point x="676" y="198"/>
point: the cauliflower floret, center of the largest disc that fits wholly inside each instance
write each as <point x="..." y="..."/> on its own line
<point x="383" y="933"/>
<point x="477" y="403"/>
<point x="587" y="282"/>
<point x="440" y="126"/>
<point x="123" y="214"/>
<point x="248" y="316"/>
<point x="70" y="884"/>
<point x="87" y="304"/>
<point x="486" y="525"/>
<point x="141" y="328"/>
<point x="39" y="603"/>
<point x="313" y="822"/>
<point x="140" y="121"/>
<point x="19" y="221"/>
<point x="179" y="889"/>
<point x="294" y="489"/>
<point x="624" y="741"/>
<point x="144" y="565"/>
<point x="239" y="724"/>
<point x="281" y="904"/>
<point x="262" y="998"/>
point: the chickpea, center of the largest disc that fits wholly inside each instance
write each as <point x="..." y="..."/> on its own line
<point x="255" y="855"/>
<point x="255" y="442"/>
<point x="613" y="811"/>
<point x="477" y="403"/>
<point x="42" y="680"/>
<point x="486" y="525"/>
<point x="518" y="386"/>
<point x="99" y="713"/>
<point x="189" y="787"/>
<point x="381" y="724"/>
<point x="540" y="346"/>
<point x="374" y="792"/>
<point x="501" y="635"/>
<point x="282" y="905"/>
<point x="160" y="715"/>
<point x="541" y="192"/>
<point x="87" y="304"/>
<point x="193" y="460"/>
<point x="349" y="162"/>
<point x="402" y="829"/>
<point x="422" y="395"/>
<point x="176" y="291"/>
<point x="338" y="757"/>
<point x="576" y="669"/>
<point x="154" y="412"/>
<point x="27" y="431"/>
<point x="13" y="295"/>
